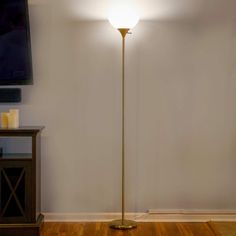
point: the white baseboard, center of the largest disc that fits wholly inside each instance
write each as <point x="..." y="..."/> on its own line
<point x="150" y="216"/>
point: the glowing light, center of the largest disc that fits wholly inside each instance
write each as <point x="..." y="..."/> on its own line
<point x="123" y="17"/>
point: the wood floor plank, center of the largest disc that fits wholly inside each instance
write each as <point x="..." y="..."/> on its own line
<point x="143" y="229"/>
<point x="173" y="229"/>
<point x="224" y="228"/>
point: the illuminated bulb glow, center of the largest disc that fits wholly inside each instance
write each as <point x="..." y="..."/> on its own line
<point x="123" y="18"/>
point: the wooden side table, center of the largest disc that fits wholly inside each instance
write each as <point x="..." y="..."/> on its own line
<point x="20" y="200"/>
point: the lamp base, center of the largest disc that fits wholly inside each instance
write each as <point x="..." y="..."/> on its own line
<point x="125" y="224"/>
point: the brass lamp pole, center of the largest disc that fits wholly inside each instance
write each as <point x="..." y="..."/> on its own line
<point x="123" y="19"/>
<point x="123" y="223"/>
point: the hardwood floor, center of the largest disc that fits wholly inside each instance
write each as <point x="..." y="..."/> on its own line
<point x="224" y="228"/>
<point x="143" y="229"/>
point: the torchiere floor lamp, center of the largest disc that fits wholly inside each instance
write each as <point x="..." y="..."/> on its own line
<point x="123" y="21"/>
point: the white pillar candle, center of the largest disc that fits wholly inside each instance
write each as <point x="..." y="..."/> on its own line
<point x="4" y="120"/>
<point x="13" y="118"/>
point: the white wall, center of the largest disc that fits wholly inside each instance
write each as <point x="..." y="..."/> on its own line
<point x="180" y="114"/>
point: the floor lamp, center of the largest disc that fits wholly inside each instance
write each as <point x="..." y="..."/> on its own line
<point x="123" y="21"/>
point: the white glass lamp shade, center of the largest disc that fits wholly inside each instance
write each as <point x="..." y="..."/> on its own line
<point x="123" y="18"/>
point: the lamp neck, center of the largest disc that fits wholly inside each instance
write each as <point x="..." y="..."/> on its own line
<point x="123" y="32"/>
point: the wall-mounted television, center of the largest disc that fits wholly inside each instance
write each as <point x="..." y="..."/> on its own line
<point x="15" y="47"/>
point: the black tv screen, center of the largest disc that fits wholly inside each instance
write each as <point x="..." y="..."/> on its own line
<point x="15" y="49"/>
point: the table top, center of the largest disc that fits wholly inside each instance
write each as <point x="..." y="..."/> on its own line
<point x="22" y="129"/>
